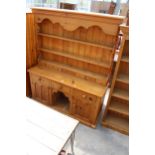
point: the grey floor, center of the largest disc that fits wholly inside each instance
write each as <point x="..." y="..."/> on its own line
<point x="99" y="141"/>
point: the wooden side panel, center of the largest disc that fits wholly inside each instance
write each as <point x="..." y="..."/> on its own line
<point x="31" y="57"/>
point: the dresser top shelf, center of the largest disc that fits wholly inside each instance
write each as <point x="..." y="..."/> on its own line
<point x="69" y="80"/>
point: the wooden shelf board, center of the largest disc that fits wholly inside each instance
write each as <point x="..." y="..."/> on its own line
<point x="117" y="123"/>
<point x="75" y="41"/>
<point x="120" y="108"/>
<point x="123" y="78"/>
<point x="121" y="94"/>
<point x="77" y="70"/>
<point x="75" y="57"/>
<point x="125" y="59"/>
<point x="66" y="79"/>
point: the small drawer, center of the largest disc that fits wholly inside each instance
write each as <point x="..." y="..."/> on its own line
<point x="35" y="78"/>
<point x="45" y="82"/>
<point x="84" y="96"/>
<point x="57" y="86"/>
<point x="66" y="89"/>
<point x="40" y="80"/>
<point x="79" y="94"/>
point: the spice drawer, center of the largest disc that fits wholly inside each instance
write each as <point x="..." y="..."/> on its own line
<point x="82" y="95"/>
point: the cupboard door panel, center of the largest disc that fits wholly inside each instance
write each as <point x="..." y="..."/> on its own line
<point x="82" y="109"/>
<point x="33" y="90"/>
<point x="41" y="89"/>
<point x="44" y="94"/>
<point x="38" y="91"/>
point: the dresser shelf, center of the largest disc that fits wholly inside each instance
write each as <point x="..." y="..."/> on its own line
<point x="125" y="59"/>
<point x="78" y="58"/>
<point x="116" y="123"/>
<point x="123" y="78"/>
<point x="75" y="71"/>
<point x="76" y="41"/>
<point x="120" y="108"/>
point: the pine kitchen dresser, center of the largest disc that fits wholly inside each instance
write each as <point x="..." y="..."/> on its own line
<point x="74" y="54"/>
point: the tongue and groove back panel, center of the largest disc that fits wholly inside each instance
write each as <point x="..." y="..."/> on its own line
<point x="81" y="35"/>
<point x="79" y="46"/>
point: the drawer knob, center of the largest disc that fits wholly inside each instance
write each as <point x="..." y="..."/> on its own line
<point x="84" y="96"/>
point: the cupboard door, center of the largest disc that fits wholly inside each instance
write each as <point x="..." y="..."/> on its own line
<point x="35" y="87"/>
<point x="38" y="91"/>
<point x="81" y="109"/>
<point x="41" y="89"/>
<point x="45" y="94"/>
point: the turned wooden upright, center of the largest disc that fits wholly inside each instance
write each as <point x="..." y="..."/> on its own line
<point x="74" y="60"/>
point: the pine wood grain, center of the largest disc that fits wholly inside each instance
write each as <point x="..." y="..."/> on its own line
<point x="80" y="84"/>
<point x="116" y="114"/>
<point x="75" y="57"/>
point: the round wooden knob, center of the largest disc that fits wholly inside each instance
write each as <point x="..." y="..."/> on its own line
<point x="83" y="96"/>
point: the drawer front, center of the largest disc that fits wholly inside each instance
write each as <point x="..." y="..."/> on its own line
<point x="35" y="78"/>
<point x="66" y="89"/>
<point x="60" y="87"/>
<point x="45" y="82"/>
<point x="56" y="86"/>
<point x="40" y="80"/>
<point x="84" y="96"/>
<point x="79" y="94"/>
